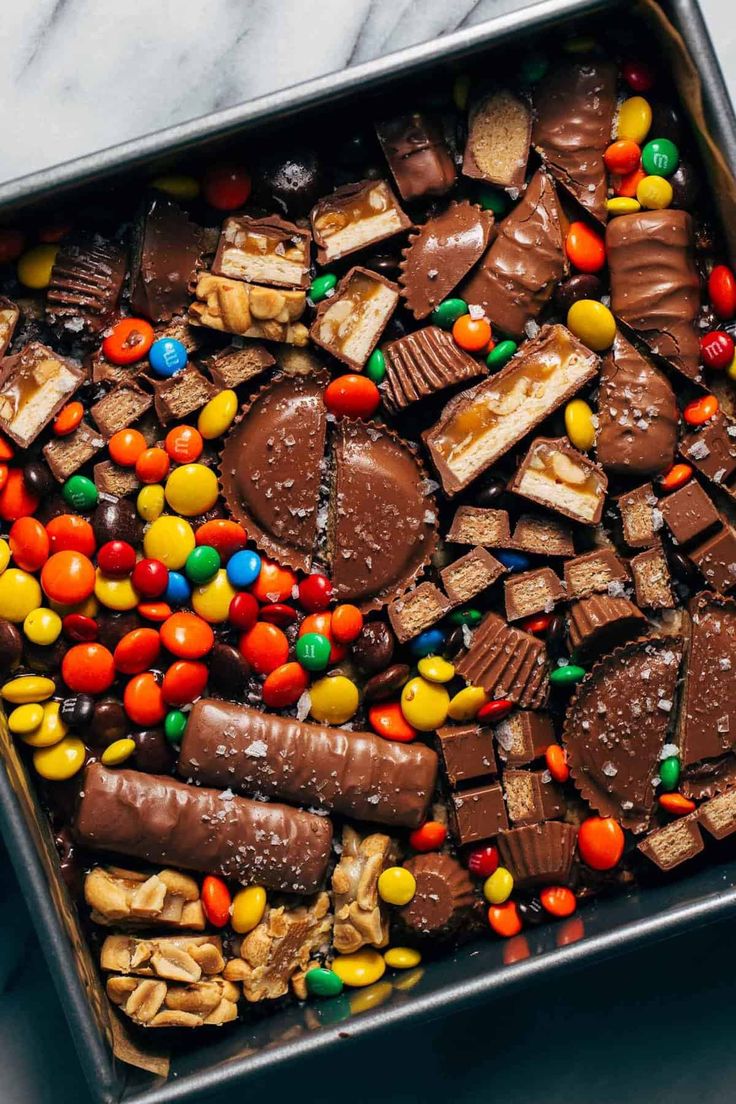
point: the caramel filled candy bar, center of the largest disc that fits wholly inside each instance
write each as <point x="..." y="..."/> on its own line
<point x="34" y="385"/>
<point x="9" y="315"/>
<point x="164" y="821"/>
<point x="357" y="774"/>
<point x="355" y="216"/>
<point x="417" y="610"/>
<point x="418" y="155"/>
<point x="532" y="592"/>
<point x="349" y="324"/>
<point x="557" y="476"/>
<point x="263" y="251"/>
<point x="499" y="133"/>
<point x="249" y="310"/>
<point x="479" y="425"/>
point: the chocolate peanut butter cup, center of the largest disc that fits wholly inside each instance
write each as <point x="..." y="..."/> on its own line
<point x="443" y="898"/>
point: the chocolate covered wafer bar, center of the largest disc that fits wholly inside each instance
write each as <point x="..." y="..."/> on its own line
<point x="531" y="592"/>
<point x="480" y="526"/>
<point x="470" y="575"/>
<point x="120" y="408"/>
<point x="599" y="570"/>
<point x="641" y="518"/>
<point x="355" y="216"/>
<point x="674" y="844"/>
<point x="478" y="814"/>
<point x="531" y="796"/>
<point x="523" y="736"/>
<point x="350" y="323"/>
<point x="417" y="610"/>
<point x="66" y="455"/>
<point x="180" y="396"/>
<point x="263" y="251"/>
<point x="543" y="536"/>
<point x="652" y="581"/>
<point x="230" y="367"/>
<point x="558" y="476"/>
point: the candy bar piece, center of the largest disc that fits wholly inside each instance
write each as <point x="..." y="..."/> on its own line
<point x="712" y="450"/>
<point x="558" y="476"/>
<point x="349" y="324"/>
<point x="467" y="753"/>
<point x="34" y="385"/>
<point x="543" y="536"/>
<point x="499" y="134"/>
<point x="652" y="582"/>
<point x="708" y="777"/>
<point x="66" y="455"/>
<point x="598" y="570"/>
<point x="523" y="737"/>
<point x="263" y="251"/>
<point x="640" y="518"/>
<point x="249" y="310"/>
<point x="129" y="899"/>
<point x="418" y="156"/>
<point x="480" y="526"/>
<point x="689" y="513"/>
<point x="506" y="662"/>
<point x="151" y="1002"/>
<point x="531" y="796"/>
<point x="178" y="397"/>
<point x="164" y="821"/>
<point x="654" y="283"/>
<point x="599" y="623"/>
<point x="230" y="367"/>
<point x="441" y="253"/>
<point x="166" y="251"/>
<point x="478" y="814"/>
<point x="467" y="577"/>
<point x="481" y="424"/>
<point x="538" y="854"/>
<point x="111" y="479"/>
<point x="616" y="726"/>
<point x="417" y="610"/>
<point x="531" y="592"/>
<point x="86" y="282"/>
<point x="443" y="898"/>
<point x="526" y="258"/>
<point x="707" y="721"/>
<point x="674" y="844"/>
<point x="357" y="774"/>
<point x="120" y="408"/>
<point x="574" y="105"/>
<point x="361" y="918"/>
<point x="182" y="958"/>
<point x="716" y="558"/>
<point x="718" y="816"/>
<point x="637" y="414"/>
<point x="355" y="216"/>
<point x="423" y="363"/>
<point x="9" y="315"/>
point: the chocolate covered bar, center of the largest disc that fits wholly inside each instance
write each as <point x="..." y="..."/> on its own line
<point x="716" y="559"/>
<point x="506" y="662"/>
<point x="120" y="408"/>
<point x="441" y="253"/>
<point x="356" y="773"/>
<point x="499" y="135"/>
<point x="673" y="844"/>
<point x="166" y="252"/>
<point x="558" y="476"/>
<point x="263" y="251"/>
<point x="478" y="814"/>
<point x="480" y="526"/>
<point x="176" y="398"/>
<point x="349" y="324"/>
<point x="707" y="720"/>
<point x="689" y="513"/>
<point x="66" y="455"/>
<point x="523" y="737"/>
<point x="230" y="367"/>
<point x="531" y="796"/>
<point x="354" y="217"/>
<point x="543" y="536"/>
<point x="712" y="450"/>
<point x="34" y="385"/>
<point x="599" y="570"/>
<point x="641" y="518"/>
<point x="249" y="310"/>
<point x="417" y="610"/>
<point x="9" y="315"/>
<point x="467" y="753"/>
<point x="531" y="592"/>
<point x="467" y="577"/>
<point x="652" y="581"/>
<point x="86" y="283"/>
<point x="599" y="623"/>
<point x="423" y="363"/>
<point x="718" y="816"/>
<point x="418" y="156"/>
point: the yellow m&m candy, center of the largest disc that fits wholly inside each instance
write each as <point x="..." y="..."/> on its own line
<point x="191" y="489"/>
<point x="169" y="539"/>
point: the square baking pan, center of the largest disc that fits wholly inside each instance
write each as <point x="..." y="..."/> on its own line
<point x="481" y="970"/>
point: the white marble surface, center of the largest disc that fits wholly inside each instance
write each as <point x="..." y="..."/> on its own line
<point x="80" y="75"/>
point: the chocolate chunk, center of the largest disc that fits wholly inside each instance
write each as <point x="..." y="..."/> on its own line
<point x="120" y="408"/>
<point x="674" y="844"/>
<point x="523" y="737"/>
<point x="487" y="527"/>
<point x="708" y="777"/>
<point x="161" y="820"/>
<point x="518" y="273"/>
<point x="109" y="722"/>
<point x="574" y="105"/>
<point x="66" y="455"/>
<point x="111" y="479"/>
<point x="418" y="155"/>
<point x="689" y="513"/>
<point x="417" y="610"/>
<point x="718" y="816"/>
<point x="558" y="476"/>
<point x="38" y="478"/>
<point x="531" y="796"/>
<point x="466" y="578"/>
<point x="707" y="718"/>
<point x="229" y="670"/>
<point x="637" y="414"/>
<point x="441" y="253"/>
<point x="363" y="776"/>
<point x="355" y="216"/>
<point x="543" y="536"/>
<point x="655" y="287"/>
<point x="616" y="726"/>
<point x="9" y="315"/>
<point x="386" y="683"/>
<point x="176" y="398"/>
<point x="34" y="385"/>
<point x="249" y="310"/>
<point x="599" y="623"/>
<point x="531" y="592"/>
<point x="712" y="450"/>
<point x="499" y="134"/>
<point x="641" y="518"/>
<point x="85" y="286"/>
<point x="477" y="814"/>
<point x="467" y="753"/>
<point x="263" y="251"/>
<point x="538" y="854"/>
<point x="652" y="582"/>
<point x="374" y="648"/>
<point x="423" y="363"/>
<point x="507" y="663"/>
<point x="117" y="521"/>
<point x="443" y="897"/>
<point x="598" y="570"/>
<point x="166" y="252"/>
<point x="11" y="646"/>
<point x="232" y="366"/>
<point x="349" y="324"/>
<point x="583" y="285"/>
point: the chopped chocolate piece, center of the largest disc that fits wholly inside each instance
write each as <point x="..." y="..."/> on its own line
<point x="467" y="577"/>
<point x="161" y="820"/>
<point x="85" y="286"/>
<point x="423" y="363"/>
<point x="443" y="897"/>
<point x="467" y="753"/>
<point x="475" y="525"/>
<point x="232" y="366"/>
<point x="598" y="570"/>
<point x="249" y="310"/>
<point x="184" y="958"/>
<point x="355" y="216"/>
<point x="518" y="273"/>
<point x="616" y="726"/>
<point x="361" y="917"/>
<point x="532" y="796"/>
<point x="523" y="737"/>
<point x="479" y="425"/>
<point x="358" y="774"/>
<point x="178" y="397"/>
<point x="349" y="324"/>
<point x="718" y="816"/>
<point x="111" y="479"/>
<point x="150" y="1002"/>
<point x="9" y="315"/>
<point x="600" y="623"/>
<point x="543" y="536"/>
<point x="383" y="525"/>
<point x="655" y="287"/>
<point x="263" y="251"/>
<point x="689" y="513"/>
<point x="708" y="714"/>
<point x="674" y="844"/>
<point x="506" y="662"/>
<point x="270" y="467"/>
<point x="66" y="455"/>
<point x="418" y="155"/>
<point x="641" y="518"/>
<point x="129" y="899"/>
<point x="417" y="610"/>
<point x="652" y="581"/>
<point x="708" y="777"/>
<point x="120" y="408"/>
<point x="441" y="253"/>
<point x="166" y="252"/>
<point x="478" y="814"/>
<point x="538" y="854"/>
<point x="712" y="450"/>
<point x="531" y="592"/>
<point x="637" y="414"/>
<point x="574" y="105"/>
<point x="34" y="385"/>
<point x="558" y="476"/>
<point x="499" y="135"/>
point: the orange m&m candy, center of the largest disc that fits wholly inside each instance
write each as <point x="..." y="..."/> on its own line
<point x="284" y="686"/>
<point x="71" y="533"/>
<point x="226" y="537"/>
<point x="16" y="501"/>
<point x="187" y="636"/>
<point x="352" y="396"/>
<point x="137" y="651"/>
<point x="429" y="836"/>
<point x="7" y="451"/>
<point x="29" y="543"/>
<point x="126" y="446"/>
<point x="152" y="465"/>
<point x="677" y="476"/>
<point x="505" y="919"/>
<point x="471" y="334"/>
<point x="265" y="647"/>
<point x="601" y="842"/>
<point x="558" y="900"/>
<point x="68" y="578"/>
<point x="144" y="701"/>
<point x="184" y="681"/>
<point x="347" y="621"/>
<point x="88" y="668"/>
<point x="700" y="411"/>
<point x="274" y="583"/>
<point x="622" y="157"/>
<point x="68" y="418"/>
<point x="388" y="720"/>
<point x="130" y="340"/>
<point x="627" y="185"/>
<point x="322" y="623"/>
<point x="184" y="444"/>
<point x="557" y="763"/>
<point x="676" y="804"/>
<point x="585" y="248"/>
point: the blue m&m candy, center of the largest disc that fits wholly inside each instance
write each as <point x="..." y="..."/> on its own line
<point x="167" y="356"/>
<point x="243" y="568"/>
<point x="178" y="591"/>
<point x="427" y="643"/>
<point x="513" y="561"/>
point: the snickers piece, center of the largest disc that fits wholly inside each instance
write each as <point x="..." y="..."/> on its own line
<point x="443" y="898"/>
<point x="538" y="854"/>
<point x="523" y="737"/>
<point x="477" y="814"/>
<point x="716" y="559"/>
<point x="176" y="398"/>
<point x="655" y="287"/>
<point x="111" y="479"/>
<point x="249" y="310"/>
<point x="354" y="217"/>
<point x="349" y="324"/>
<point x="574" y="106"/>
<point x="66" y="455"/>
<point x="232" y="366"/>
<point x="652" y="581"/>
<point x="480" y="425"/>
<point x="674" y="844"/>
<point x="532" y="592"/>
<point x="499" y="135"/>
<point x="718" y="816"/>
<point x="418" y="156"/>
<point x="526" y="259"/>
<point x="263" y="251"/>
<point x="707" y="721"/>
<point x="360" y="776"/>
<point x="712" y="450"/>
<point x="417" y="610"/>
<point x="599" y="570"/>
<point x="160" y="820"/>
<point x="543" y="536"/>
<point x="9" y="315"/>
<point x="473" y="573"/>
<point x="641" y="518"/>
<point x="423" y="363"/>
<point x="85" y="286"/>
<point x="35" y="384"/>
<point x="166" y="251"/>
<point x="467" y="753"/>
<point x="531" y="796"/>
<point x="441" y="253"/>
<point x="600" y="623"/>
<point x="689" y="513"/>
<point x="480" y="526"/>
<point x="507" y="663"/>
<point x="558" y="476"/>
<point x="120" y="408"/>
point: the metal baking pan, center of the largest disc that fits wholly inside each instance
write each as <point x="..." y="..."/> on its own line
<point x="481" y="970"/>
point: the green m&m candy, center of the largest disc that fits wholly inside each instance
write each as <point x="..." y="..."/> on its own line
<point x="202" y="564"/>
<point x="321" y="287"/>
<point x="313" y="651"/>
<point x="669" y="772"/>
<point x="80" y="492"/>
<point x="465" y="617"/>
<point x="375" y="369"/>
<point x="567" y="675"/>
<point x="493" y="199"/>
<point x="322" y="982"/>
<point x="500" y="354"/>
<point x="448" y="312"/>
<point x="660" y="157"/>
<point x="174" y="724"/>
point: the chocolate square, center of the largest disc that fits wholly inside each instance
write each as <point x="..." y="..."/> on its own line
<point x="712" y="449"/>
<point x="467" y="752"/>
<point x="689" y="513"/>
<point x="478" y="814"/>
<point x="531" y="796"/>
<point x="716" y="558"/>
<point x="523" y="737"/>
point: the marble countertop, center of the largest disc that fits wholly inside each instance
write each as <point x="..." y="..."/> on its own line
<point x="82" y="75"/>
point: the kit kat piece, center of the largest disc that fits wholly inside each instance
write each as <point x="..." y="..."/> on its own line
<point x="655" y="287"/>
<point x="9" y="315"/>
<point x="120" y="408"/>
<point x="66" y="455"/>
<point x="34" y="385"/>
<point x="176" y="398"/>
<point x="349" y="324"/>
<point x="599" y="570"/>
<point x="166" y="251"/>
<point x="707" y="719"/>
<point x="641" y="518"/>
<point x="600" y="623"/>
<point x="531" y="796"/>
<point x="466" y="752"/>
<point x="712" y="450"/>
<point x="506" y="662"/>
<point x="480" y="526"/>
<point x="111" y="479"/>
<point x="477" y="814"/>
<point x="418" y="155"/>
<point x="559" y="477"/>
<point x="674" y="844"/>
<point x="499" y="136"/>
<point x="532" y="592"/>
<point x="469" y="576"/>
<point x="716" y="559"/>
<point x="417" y="610"/>
<point x="441" y="253"/>
<point x="543" y="536"/>
<point x="249" y="310"/>
<point x="230" y="367"/>
<point x="523" y="737"/>
<point x="718" y="815"/>
<point x="538" y="854"/>
<point x="689" y="513"/>
<point x="481" y="424"/>
<point x="160" y="820"/>
<point x="652" y="581"/>
<point x="423" y="363"/>
<point x="355" y="216"/>
<point x="263" y="251"/>
<point x="357" y="774"/>
<point x="86" y="283"/>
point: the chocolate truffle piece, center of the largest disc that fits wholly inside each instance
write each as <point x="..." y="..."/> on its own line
<point x="480" y="526"/>
<point x="232" y="366"/>
<point x="499" y="134"/>
<point x="263" y="251"/>
<point x="641" y="518"/>
<point x="506" y="662"/>
<point x="417" y="610"/>
<point x="9" y="315"/>
<point x="652" y="581"/>
<point x="443" y="898"/>
<point x="523" y="737"/>
<point x="441" y="253"/>
<point x="538" y="854"/>
<point x="249" y="310"/>
<point x="674" y="844"/>
<point x="718" y="816"/>
<point x="599" y="570"/>
<point x="473" y="573"/>
<point x="423" y="363"/>
<point x="349" y="324"/>
<point x="599" y="623"/>
<point x="467" y="753"/>
<point x="176" y="398"/>
<point x="543" y="536"/>
<point x="120" y="408"/>
<point x="531" y="592"/>
<point x="558" y="476"/>
<point x="166" y="251"/>
<point x="712" y="450"/>
<point x="354" y="217"/>
<point x="689" y="513"/>
<point x="707" y="721"/>
<point x="418" y="155"/>
<point x="477" y="814"/>
<point x="85" y="286"/>
<point x="66" y="455"/>
<point x="34" y="385"/>
<point x="531" y="796"/>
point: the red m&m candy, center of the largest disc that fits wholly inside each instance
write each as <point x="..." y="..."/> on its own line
<point x="226" y="187"/>
<point x="116" y="558"/>
<point x="243" y="612"/>
<point x="716" y="349"/>
<point x="722" y="292"/>
<point x="352" y="396"/>
<point x="150" y="578"/>
<point x="483" y="861"/>
<point x="315" y="593"/>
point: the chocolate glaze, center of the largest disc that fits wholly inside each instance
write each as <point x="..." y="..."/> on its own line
<point x="417" y="154"/>
<point x="166" y="251"/>
<point x="441" y="254"/>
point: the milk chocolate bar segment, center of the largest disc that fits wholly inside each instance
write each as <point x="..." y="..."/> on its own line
<point x="531" y="592"/>
<point x="263" y="251"/>
<point x="674" y="844"/>
<point x="167" y="249"/>
<point x="354" y="773"/>
<point x="712" y="450"/>
<point x="418" y="155"/>
<point x="441" y="253"/>
<point x="9" y="315"/>
<point x="355" y="216"/>
<point x="473" y="573"/>
<point x="640" y="519"/>
<point x="708" y="713"/>
<point x="689" y="513"/>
